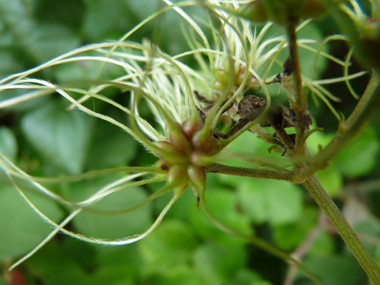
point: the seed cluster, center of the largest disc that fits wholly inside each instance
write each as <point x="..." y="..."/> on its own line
<point x="183" y="155"/>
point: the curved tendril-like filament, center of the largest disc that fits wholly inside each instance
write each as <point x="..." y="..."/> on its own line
<point x="312" y="86"/>
<point x="59" y="227"/>
<point x="46" y="240"/>
<point x="347" y="81"/>
<point x="218" y="108"/>
<point x="256" y="241"/>
<point x="94" y="198"/>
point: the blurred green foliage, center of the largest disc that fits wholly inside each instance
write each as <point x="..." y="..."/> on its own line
<point x="186" y="249"/>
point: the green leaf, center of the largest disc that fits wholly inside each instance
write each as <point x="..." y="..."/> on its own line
<point x="289" y="236"/>
<point x="47" y="41"/>
<point x="222" y="204"/>
<point x="21" y="228"/>
<point x="8" y="143"/>
<point x="9" y="64"/>
<point x="54" y="266"/>
<point x="180" y="210"/>
<point x="169" y="246"/>
<point x="184" y="274"/>
<point x="60" y="137"/>
<point x="111" y="226"/>
<point x="359" y="157"/>
<point x="107" y="19"/>
<point x="323" y="245"/>
<point x="115" y="275"/>
<point x="331" y="180"/>
<point x="219" y="263"/>
<point x="273" y="201"/>
<point x="336" y="270"/>
<point x="110" y="146"/>
<point x="370" y="230"/>
<point x="128" y="256"/>
<point x="65" y="12"/>
<point x="41" y="41"/>
<point x="246" y="276"/>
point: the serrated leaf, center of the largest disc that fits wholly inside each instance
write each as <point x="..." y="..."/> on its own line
<point x="336" y="270"/>
<point x="47" y="41"/>
<point x="273" y="201"/>
<point x="42" y="41"/>
<point x="110" y="146"/>
<point x="60" y="137"/>
<point x="184" y="274"/>
<point x="218" y="262"/>
<point x="289" y="236"/>
<point x="65" y="12"/>
<point x="107" y="19"/>
<point x="115" y="275"/>
<point x="322" y="245"/>
<point x="359" y="157"/>
<point x="246" y="276"/>
<point x="21" y="228"/>
<point x="9" y="64"/>
<point x="53" y="265"/>
<point x="331" y="180"/>
<point x="8" y="143"/>
<point x="222" y="204"/>
<point x="171" y="245"/>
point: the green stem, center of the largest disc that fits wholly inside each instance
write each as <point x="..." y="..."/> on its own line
<point x="250" y="172"/>
<point x="318" y="193"/>
<point x="367" y="105"/>
<point x="295" y="62"/>
<point x="299" y="100"/>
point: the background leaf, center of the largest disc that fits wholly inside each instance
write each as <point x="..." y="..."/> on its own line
<point x="59" y="137"/>
<point x="21" y="228"/>
<point x="8" y="143"/>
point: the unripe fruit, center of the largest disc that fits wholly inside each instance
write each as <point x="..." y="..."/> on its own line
<point x="255" y="11"/>
<point x="201" y="140"/>
<point x="177" y="176"/>
<point x="197" y="176"/>
<point x="197" y="158"/>
<point x="170" y="153"/>
<point x="190" y="127"/>
<point x="178" y="138"/>
<point x="314" y="9"/>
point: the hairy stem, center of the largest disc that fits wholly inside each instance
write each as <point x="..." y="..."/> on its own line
<point x="299" y="100"/>
<point x="368" y="104"/>
<point x="318" y="193"/>
<point x="300" y="104"/>
<point x="250" y="172"/>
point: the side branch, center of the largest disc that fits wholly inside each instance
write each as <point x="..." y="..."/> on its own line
<point x="250" y="172"/>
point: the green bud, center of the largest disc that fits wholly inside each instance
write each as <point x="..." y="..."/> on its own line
<point x="177" y="176"/>
<point x="191" y="126"/>
<point x="197" y="158"/>
<point x="221" y="77"/>
<point x="178" y="138"/>
<point x="170" y="153"/>
<point x="197" y="176"/>
<point x="254" y="11"/>
<point x="314" y="9"/>
<point x="201" y="140"/>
